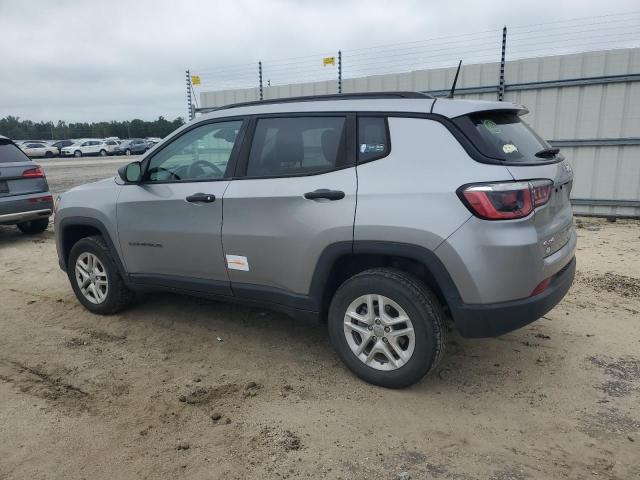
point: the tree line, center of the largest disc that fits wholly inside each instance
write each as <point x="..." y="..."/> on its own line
<point x="17" y="129"/>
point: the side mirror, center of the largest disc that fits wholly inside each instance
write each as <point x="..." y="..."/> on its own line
<point x="131" y="173"/>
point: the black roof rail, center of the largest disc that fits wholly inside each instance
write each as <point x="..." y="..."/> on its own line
<point x="316" y="98"/>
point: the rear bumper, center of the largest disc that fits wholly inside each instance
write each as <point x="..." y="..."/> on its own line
<point x="494" y="319"/>
<point x="20" y="217"/>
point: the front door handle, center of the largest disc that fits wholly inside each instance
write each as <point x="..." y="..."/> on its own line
<point x="324" y="193"/>
<point x="201" y="198"/>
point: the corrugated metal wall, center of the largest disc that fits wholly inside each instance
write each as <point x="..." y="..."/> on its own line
<point x="597" y="124"/>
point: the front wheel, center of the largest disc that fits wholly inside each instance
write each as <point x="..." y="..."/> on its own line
<point x="33" y="227"/>
<point x="77" y="153"/>
<point x="387" y="327"/>
<point x="103" y="153"/>
<point x="127" y="152"/>
<point x="95" y="278"/>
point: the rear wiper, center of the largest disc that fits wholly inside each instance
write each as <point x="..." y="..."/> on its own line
<point x="548" y="152"/>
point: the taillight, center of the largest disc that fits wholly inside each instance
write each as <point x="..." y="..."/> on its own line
<point x="505" y="200"/>
<point x="46" y="198"/>
<point x="33" y="173"/>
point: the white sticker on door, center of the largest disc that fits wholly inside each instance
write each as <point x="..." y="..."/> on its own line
<point x="237" y="262"/>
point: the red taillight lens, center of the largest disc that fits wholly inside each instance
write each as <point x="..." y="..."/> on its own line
<point x="541" y="191"/>
<point x="507" y="200"/>
<point x="33" y="173"/>
<point x="46" y="198"/>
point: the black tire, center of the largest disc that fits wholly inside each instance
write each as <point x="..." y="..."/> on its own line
<point x="103" y="153"/>
<point x="420" y="304"/>
<point x="48" y="154"/>
<point x="33" y="227"/>
<point x="77" y="153"/>
<point x="127" y="152"/>
<point x="118" y="295"/>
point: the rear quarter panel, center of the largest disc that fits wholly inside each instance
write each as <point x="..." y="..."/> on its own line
<point x="410" y="195"/>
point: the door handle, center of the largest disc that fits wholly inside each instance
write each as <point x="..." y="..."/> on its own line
<point x="324" y="193"/>
<point x="201" y="198"/>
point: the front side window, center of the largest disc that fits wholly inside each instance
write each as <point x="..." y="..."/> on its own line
<point x="200" y="154"/>
<point x="297" y="146"/>
<point x="373" y="141"/>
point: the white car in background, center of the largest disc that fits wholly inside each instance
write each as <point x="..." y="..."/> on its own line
<point x="38" y="149"/>
<point x="87" y="146"/>
<point x="111" y="145"/>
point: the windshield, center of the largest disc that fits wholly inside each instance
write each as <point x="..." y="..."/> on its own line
<point x="503" y="135"/>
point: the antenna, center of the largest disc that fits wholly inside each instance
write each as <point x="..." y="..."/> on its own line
<point x="455" y="80"/>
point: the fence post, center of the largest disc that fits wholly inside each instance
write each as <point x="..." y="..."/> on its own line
<point x="260" y="77"/>
<point x="189" y="104"/>
<point x="339" y="71"/>
<point x="502" y="62"/>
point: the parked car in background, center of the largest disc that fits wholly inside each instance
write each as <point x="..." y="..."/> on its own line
<point x="111" y="145"/>
<point x="38" y="149"/>
<point x="25" y="200"/>
<point x="60" y="144"/>
<point x="88" y="146"/>
<point x="133" y="146"/>
<point x="151" y="141"/>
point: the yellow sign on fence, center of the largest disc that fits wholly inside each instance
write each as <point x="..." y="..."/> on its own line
<point x="195" y="79"/>
<point x="328" y="61"/>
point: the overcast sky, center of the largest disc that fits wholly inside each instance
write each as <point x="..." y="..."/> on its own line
<point x="119" y="59"/>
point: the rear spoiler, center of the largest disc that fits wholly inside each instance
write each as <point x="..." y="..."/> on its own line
<point x="458" y="108"/>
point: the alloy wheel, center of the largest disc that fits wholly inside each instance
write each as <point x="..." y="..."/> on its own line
<point x="92" y="278"/>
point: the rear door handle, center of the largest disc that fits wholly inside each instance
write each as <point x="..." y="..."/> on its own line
<point x="201" y="198"/>
<point x="324" y="193"/>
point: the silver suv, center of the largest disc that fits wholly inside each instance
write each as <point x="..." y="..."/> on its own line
<point x="380" y="214"/>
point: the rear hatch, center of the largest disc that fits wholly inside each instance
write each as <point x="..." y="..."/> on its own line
<point x="502" y="135"/>
<point x="18" y="174"/>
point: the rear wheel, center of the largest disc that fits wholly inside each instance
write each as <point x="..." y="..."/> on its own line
<point x="387" y="327"/>
<point x="34" y="227"/>
<point x="127" y="152"/>
<point x="95" y="278"/>
<point x="48" y="154"/>
<point x="77" y="153"/>
<point x="103" y="153"/>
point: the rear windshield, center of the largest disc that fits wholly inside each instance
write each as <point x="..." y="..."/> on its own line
<point x="503" y="135"/>
<point x="10" y="153"/>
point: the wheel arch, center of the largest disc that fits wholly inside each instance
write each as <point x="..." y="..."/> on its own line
<point x="73" y="229"/>
<point x="341" y="261"/>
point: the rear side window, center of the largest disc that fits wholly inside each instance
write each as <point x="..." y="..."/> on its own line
<point x="503" y="135"/>
<point x="373" y="139"/>
<point x="297" y="146"/>
<point x="10" y="153"/>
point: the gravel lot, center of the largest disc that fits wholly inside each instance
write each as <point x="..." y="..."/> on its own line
<point x="178" y="386"/>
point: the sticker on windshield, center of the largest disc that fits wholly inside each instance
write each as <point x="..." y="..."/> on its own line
<point x="371" y="147"/>
<point x="509" y="148"/>
<point x="491" y="126"/>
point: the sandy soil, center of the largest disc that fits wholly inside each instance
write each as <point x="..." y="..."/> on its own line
<point x="178" y="386"/>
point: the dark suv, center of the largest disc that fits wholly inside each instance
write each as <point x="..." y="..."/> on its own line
<point x="25" y="200"/>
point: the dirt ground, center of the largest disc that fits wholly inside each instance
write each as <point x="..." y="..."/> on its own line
<point x="182" y="387"/>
